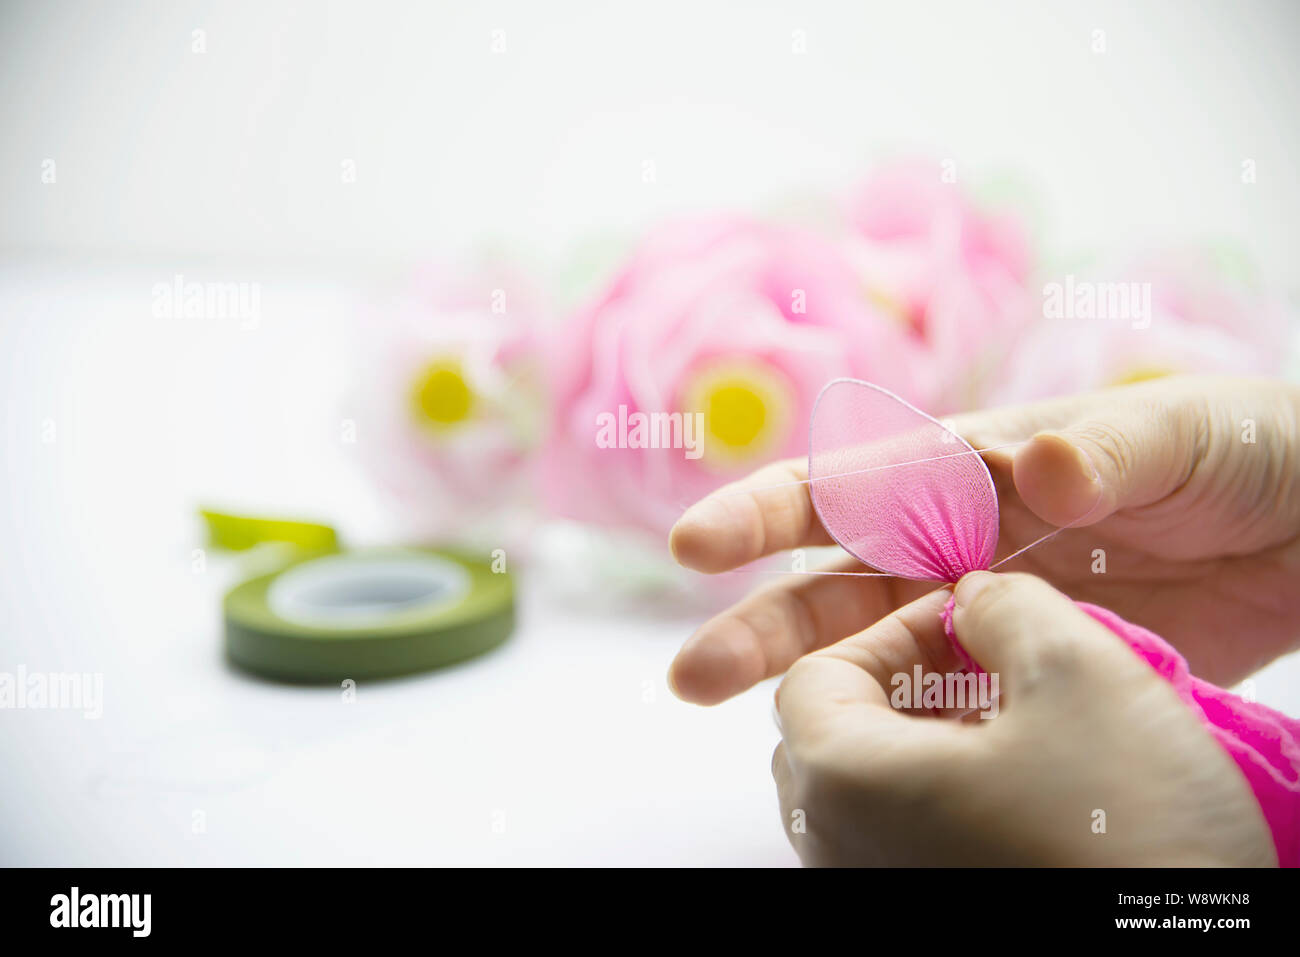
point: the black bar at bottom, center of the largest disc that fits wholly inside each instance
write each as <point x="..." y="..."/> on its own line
<point x="302" y="906"/>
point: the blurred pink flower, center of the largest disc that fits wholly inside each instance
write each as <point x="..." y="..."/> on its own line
<point x="738" y="322"/>
<point x="1148" y="317"/>
<point x="954" y="274"/>
<point x="453" y="398"/>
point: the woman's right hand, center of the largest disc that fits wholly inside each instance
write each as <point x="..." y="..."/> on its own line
<point x="1090" y="758"/>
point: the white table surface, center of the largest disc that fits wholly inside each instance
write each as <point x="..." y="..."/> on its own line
<point x="562" y="747"/>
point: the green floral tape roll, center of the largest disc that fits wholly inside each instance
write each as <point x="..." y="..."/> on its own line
<point x="372" y="613"/>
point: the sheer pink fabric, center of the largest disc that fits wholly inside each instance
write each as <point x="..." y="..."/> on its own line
<point x="896" y="488"/>
<point x="893" y="487"/>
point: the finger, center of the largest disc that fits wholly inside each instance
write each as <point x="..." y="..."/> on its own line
<point x="768" y="512"/>
<point x="908" y="637"/>
<point x="840" y="694"/>
<point x="1055" y="476"/>
<point x="1018" y="423"/>
<point x="1089" y="455"/>
<point x="1011" y="425"/>
<point x="1085" y="457"/>
<point x="785" y="787"/>
<point x="1136" y="451"/>
<point x="911" y="638"/>
<point x="1036" y="639"/>
<point x="766" y="632"/>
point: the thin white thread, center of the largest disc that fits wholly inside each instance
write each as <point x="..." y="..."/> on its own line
<point x="874" y="468"/>
<point x="1052" y="534"/>
<point x="1016" y="554"/>
<point x="1039" y="541"/>
<point x="781" y="571"/>
<point x="992" y="448"/>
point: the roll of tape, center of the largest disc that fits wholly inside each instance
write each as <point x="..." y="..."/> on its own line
<point x="372" y="613"/>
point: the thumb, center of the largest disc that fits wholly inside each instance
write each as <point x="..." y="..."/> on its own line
<point x="1141" y="450"/>
<point x="1036" y="639"/>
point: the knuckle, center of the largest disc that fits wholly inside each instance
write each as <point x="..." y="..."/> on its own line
<point x="1196" y="427"/>
<point x="1057" y="653"/>
<point x="796" y="673"/>
<point x="1117" y="448"/>
<point x="1187" y="423"/>
<point x="789" y="686"/>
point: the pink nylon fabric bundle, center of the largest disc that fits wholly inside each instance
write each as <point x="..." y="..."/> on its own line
<point x="904" y="494"/>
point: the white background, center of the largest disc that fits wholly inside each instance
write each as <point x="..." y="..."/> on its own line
<point x="564" y="746"/>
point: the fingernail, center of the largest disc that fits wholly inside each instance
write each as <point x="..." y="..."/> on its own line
<point x="693" y="516"/>
<point x="1076" y="498"/>
<point x="1081" y="457"/>
<point x="971" y="585"/>
<point x="703" y="530"/>
<point x="1089" y="470"/>
<point x="1093" y="477"/>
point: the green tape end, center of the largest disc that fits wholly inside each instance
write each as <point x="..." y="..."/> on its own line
<point x="239" y="533"/>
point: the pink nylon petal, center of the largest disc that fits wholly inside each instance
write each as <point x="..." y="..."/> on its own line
<point x="896" y="488"/>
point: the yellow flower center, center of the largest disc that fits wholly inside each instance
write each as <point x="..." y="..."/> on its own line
<point x="1140" y="374"/>
<point x="746" y="405"/>
<point x="441" y="396"/>
<point x="735" y="414"/>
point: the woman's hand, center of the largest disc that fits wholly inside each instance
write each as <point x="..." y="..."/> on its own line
<point x="1191" y="488"/>
<point x="1090" y="760"/>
